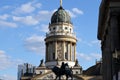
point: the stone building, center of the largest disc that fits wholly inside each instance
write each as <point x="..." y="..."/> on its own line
<point x="25" y="68"/>
<point x="61" y="40"/>
<point x="60" y="44"/>
<point x="109" y="34"/>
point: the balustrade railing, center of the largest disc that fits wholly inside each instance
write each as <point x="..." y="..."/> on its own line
<point x="60" y="33"/>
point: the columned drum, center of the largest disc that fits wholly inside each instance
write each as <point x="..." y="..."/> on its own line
<point x="60" y="40"/>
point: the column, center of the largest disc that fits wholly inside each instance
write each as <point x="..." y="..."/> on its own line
<point x="64" y="50"/>
<point x="56" y="50"/>
<point x="70" y="51"/>
<point x="74" y="52"/>
<point x="49" y="51"/>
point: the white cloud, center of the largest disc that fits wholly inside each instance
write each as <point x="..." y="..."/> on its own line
<point x="4" y="17"/>
<point x="35" y="19"/>
<point x="6" y="61"/>
<point x="35" y="43"/>
<point x="44" y="12"/>
<point x="35" y="38"/>
<point x="84" y="56"/>
<point x="7" y="24"/>
<point x="28" y="20"/>
<point x="44" y="15"/>
<point x="96" y="55"/>
<point x="43" y="28"/>
<point x="38" y="5"/>
<point x="71" y="14"/>
<point x="88" y="57"/>
<point x="91" y="43"/>
<point x="8" y="77"/>
<point x="77" y="11"/>
<point x="27" y="8"/>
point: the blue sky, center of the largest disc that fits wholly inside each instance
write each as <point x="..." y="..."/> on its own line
<point x="24" y="23"/>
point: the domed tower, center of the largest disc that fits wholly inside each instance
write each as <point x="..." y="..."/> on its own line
<point x="60" y="40"/>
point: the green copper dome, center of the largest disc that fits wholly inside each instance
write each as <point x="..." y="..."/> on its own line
<point x="60" y="16"/>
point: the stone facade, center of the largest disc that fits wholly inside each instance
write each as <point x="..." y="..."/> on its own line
<point x="60" y="44"/>
<point x="109" y="34"/>
<point x="60" y="40"/>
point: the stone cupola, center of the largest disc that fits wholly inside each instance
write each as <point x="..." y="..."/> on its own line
<point x="60" y="40"/>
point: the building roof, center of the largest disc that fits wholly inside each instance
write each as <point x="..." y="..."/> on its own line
<point x="60" y="16"/>
<point x="93" y="70"/>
